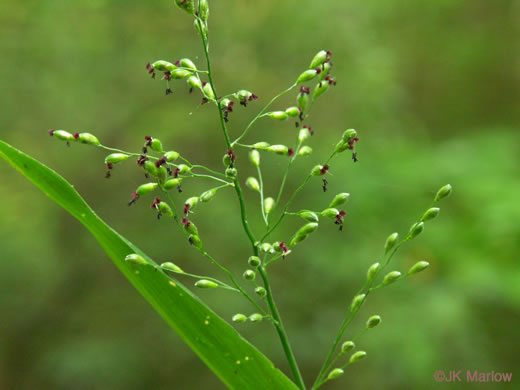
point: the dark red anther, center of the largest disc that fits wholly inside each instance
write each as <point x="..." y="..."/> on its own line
<point x="186" y="222"/>
<point x="290" y="152"/>
<point x="148" y="140"/>
<point x="204" y="100"/>
<point x="283" y="247"/>
<point x="177" y="63"/>
<point x="160" y="162"/>
<point x="318" y="70"/>
<point x="354" y="157"/>
<point x="134" y="198"/>
<point x="352" y="142"/>
<point x="305" y="90"/>
<point x="75" y="135"/>
<point x="151" y="70"/>
<point x="253" y="97"/>
<point x="167" y="75"/>
<point x="141" y="160"/>
<point x="308" y="128"/>
<point x="232" y="156"/>
<point x="324" y="170"/>
<point x="186" y="210"/>
<point x="176" y="173"/>
<point x="51" y="132"/>
<point x="156" y="201"/>
<point x="339" y="219"/>
<point x="110" y="165"/>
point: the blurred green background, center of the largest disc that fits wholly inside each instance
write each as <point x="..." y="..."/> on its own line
<point x="431" y="87"/>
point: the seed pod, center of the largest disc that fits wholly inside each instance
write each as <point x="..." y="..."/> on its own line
<point x="304" y="134"/>
<point x="62" y="135"/>
<point x="239" y="318"/>
<point x="226" y="160"/>
<point x="115" y="158"/>
<point x="208" y="91"/>
<point x="430" y="214"/>
<point x="347" y="346"/>
<point x="296" y="240"/>
<point x="349" y="135"/>
<point x="320" y="89"/>
<point x="372" y="272"/>
<point x="231" y="173"/>
<point x="418" y="267"/>
<point x="249" y="275"/>
<point x="163" y="66"/>
<point x="186" y="5"/>
<point x="308" y="75"/>
<point x="204" y="283"/>
<point x="254" y="157"/>
<point x="256" y="317"/>
<point x="339" y="199"/>
<point x="303" y="100"/>
<point x="261" y="145"/>
<point x="136" y="259"/>
<point x="341" y="146"/>
<point x="390" y="242"/>
<point x="325" y="69"/>
<point x="254" y="261"/>
<point x="316" y="171"/>
<point x="373" y="321"/>
<point x="318" y="59"/>
<point x="357" y="356"/>
<point x="336" y="373"/>
<point x="206" y="196"/>
<point x="168" y="266"/>
<point x="204" y="9"/>
<point x="357" y="302"/>
<point x="266" y="247"/>
<point x="280" y="115"/>
<point x="416" y="229"/>
<point x="443" y="192"/>
<point x="144" y="189"/>
<point x="180" y="74"/>
<point x="192" y="202"/>
<point x="276" y="246"/>
<point x="305" y="151"/>
<point x="162" y="174"/>
<point x="331" y="213"/>
<point x="171" y="156"/>
<point x="194" y="240"/>
<point x="187" y="63"/>
<point x="172" y="183"/>
<point x="307" y="229"/>
<point x="308" y="215"/>
<point x="165" y="209"/>
<point x="150" y="168"/>
<point x="183" y="169"/>
<point x="268" y="205"/>
<point x="87" y="138"/>
<point x="293" y="111"/>
<point x="279" y="149"/>
<point x="202" y="29"/>
<point x="391" y="277"/>
<point x="253" y="184"/>
<point x="260" y="291"/>
<point x="194" y="82"/>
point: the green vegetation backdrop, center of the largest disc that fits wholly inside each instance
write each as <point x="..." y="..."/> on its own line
<point x="431" y="87"/>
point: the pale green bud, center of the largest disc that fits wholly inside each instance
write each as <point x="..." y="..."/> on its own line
<point x="165" y="209"/>
<point x="231" y="173"/>
<point x="325" y="69"/>
<point x="357" y="356"/>
<point x="194" y="240"/>
<point x="339" y="199"/>
<point x="260" y="291"/>
<point x="316" y="171"/>
<point x="336" y="373"/>
<point x="186" y="5"/>
<point x="279" y="149"/>
<point x="206" y="196"/>
<point x="373" y="321"/>
<point x="308" y="75"/>
<point x="349" y="135"/>
<point x="357" y="301"/>
<point x="226" y="160"/>
<point x="114" y="158"/>
<point x="249" y="275"/>
<point x="418" y="267"/>
<point x="307" y="229"/>
<point x="145" y="189"/>
<point x="304" y="134"/>
<point x="268" y="205"/>
<point x="191" y="228"/>
<point x="203" y="9"/>
<point x="305" y="151"/>
<point x="443" y="192"/>
<point x="320" y="89"/>
<point x="261" y="145"/>
<point x="192" y="202"/>
<point x="254" y="157"/>
<point x="136" y="259"/>
<point x="293" y="111"/>
<point x="308" y="215"/>
<point x="169" y="266"/>
<point x="183" y="169"/>
<point x="162" y="174"/>
<point x="347" y="346"/>
<point x="87" y="138"/>
<point x="208" y="91"/>
<point x="254" y="261"/>
<point x="391" y="277"/>
<point x="391" y="241"/>
<point x="204" y="283"/>
<point x="372" y="271"/>
<point x="253" y="184"/>
<point x="171" y="156"/>
<point x="303" y="100"/>
<point x="187" y="63"/>
<point x="180" y="74"/>
<point x="341" y="146"/>
<point x="62" y="135"/>
<point x="256" y="317"/>
<point x="266" y="247"/>
<point x="416" y="229"/>
<point x="330" y="213"/>
<point x="280" y="115"/>
<point x="239" y="318"/>
<point x="150" y="168"/>
<point x="172" y="183"/>
<point x="163" y="66"/>
<point x="318" y="59"/>
<point x="194" y="82"/>
<point x="430" y="214"/>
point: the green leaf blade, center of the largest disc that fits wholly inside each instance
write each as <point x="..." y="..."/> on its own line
<point x="233" y="359"/>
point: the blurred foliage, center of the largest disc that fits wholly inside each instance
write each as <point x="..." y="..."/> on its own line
<point x="432" y="89"/>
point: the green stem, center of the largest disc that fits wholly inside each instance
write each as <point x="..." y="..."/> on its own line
<point x="264" y="216"/>
<point x="261" y="112"/>
<point x="287" y="174"/>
